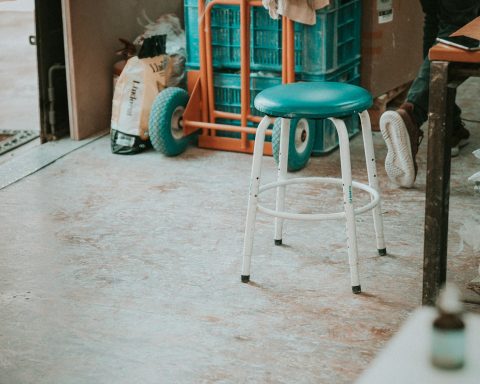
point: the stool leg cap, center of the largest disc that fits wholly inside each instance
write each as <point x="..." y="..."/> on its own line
<point x="382" y="252"/>
<point x="356" y="289"/>
<point x="245" y="278"/>
<point x="278" y="242"/>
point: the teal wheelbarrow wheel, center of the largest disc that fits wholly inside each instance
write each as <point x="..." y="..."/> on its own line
<point x="165" y="124"/>
<point x="302" y="138"/>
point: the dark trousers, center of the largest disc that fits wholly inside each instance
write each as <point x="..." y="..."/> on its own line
<point x="442" y="17"/>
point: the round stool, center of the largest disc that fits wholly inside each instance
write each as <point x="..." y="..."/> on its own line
<point x="315" y="100"/>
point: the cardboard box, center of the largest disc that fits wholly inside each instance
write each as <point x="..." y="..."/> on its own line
<point x="391" y="51"/>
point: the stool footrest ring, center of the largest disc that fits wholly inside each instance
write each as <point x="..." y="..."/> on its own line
<point x="317" y="216"/>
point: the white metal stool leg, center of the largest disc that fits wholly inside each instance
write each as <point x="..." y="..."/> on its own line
<point x="253" y="197"/>
<point x="344" y="145"/>
<point x="373" y="180"/>
<point x="282" y="175"/>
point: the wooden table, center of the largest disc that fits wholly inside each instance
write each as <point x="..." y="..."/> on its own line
<point x="449" y="67"/>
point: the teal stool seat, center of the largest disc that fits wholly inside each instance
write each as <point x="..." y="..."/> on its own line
<point x="314" y="100"/>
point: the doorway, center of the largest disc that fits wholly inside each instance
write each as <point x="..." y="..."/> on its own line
<point x="32" y="73"/>
<point x="19" y="109"/>
<point x="52" y="79"/>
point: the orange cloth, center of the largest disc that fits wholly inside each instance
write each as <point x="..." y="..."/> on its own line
<point x="302" y="11"/>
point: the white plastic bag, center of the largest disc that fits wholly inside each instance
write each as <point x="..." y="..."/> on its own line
<point x="470" y="233"/>
<point x="170" y="26"/>
<point x="475" y="178"/>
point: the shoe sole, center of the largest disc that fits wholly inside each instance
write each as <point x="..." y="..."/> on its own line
<point x="399" y="161"/>
<point x="455" y="151"/>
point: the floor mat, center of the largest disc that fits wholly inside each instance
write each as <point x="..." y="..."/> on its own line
<point x="11" y="139"/>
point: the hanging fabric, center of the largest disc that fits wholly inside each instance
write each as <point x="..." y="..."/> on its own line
<point x="301" y="11"/>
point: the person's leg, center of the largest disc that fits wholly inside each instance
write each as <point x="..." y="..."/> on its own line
<point x="401" y="128"/>
<point x="430" y="24"/>
<point x="452" y="15"/>
<point x="418" y="96"/>
<point x="418" y="93"/>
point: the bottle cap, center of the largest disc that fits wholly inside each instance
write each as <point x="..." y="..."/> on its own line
<point x="449" y="299"/>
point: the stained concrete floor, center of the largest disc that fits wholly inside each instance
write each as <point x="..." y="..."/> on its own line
<point x="126" y="269"/>
<point x="120" y="269"/>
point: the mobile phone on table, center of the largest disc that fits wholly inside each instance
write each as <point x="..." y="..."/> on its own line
<point x="465" y="42"/>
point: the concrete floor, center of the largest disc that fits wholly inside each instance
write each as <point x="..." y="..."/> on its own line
<point x="119" y="269"/>
<point x="123" y="269"/>
<point x="19" y="109"/>
<point x="18" y="67"/>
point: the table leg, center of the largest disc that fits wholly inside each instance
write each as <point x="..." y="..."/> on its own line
<point x="442" y="98"/>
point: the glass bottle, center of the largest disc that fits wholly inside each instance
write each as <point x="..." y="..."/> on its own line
<point x="448" y="333"/>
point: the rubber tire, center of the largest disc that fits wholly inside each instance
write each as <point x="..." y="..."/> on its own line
<point x="160" y="122"/>
<point x="297" y="159"/>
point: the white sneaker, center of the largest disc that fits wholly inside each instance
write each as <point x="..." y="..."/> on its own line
<point x="455" y="151"/>
<point x="399" y="130"/>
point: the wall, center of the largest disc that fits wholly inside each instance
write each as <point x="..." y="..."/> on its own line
<point x="92" y="29"/>
<point x="391" y="52"/>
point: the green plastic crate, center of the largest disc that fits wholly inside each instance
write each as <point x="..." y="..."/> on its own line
<point x="333" y="42"/>
<point x="227" y="93"/>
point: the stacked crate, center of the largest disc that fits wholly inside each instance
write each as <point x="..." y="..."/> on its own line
<point x="326" y="51"/>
